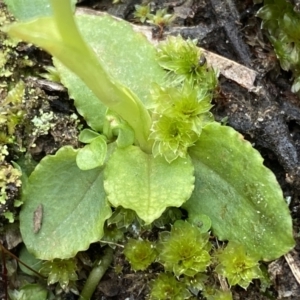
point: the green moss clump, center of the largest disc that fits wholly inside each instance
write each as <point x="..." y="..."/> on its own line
<point x="283" y="26"/>
<point x="166" y="287"/>
<point x="185" y="62"/>
<point x="60" y="270"/>
<point x="140" y="254"/>
<point x="238" y="267"/>
<point x="184" y="250"/>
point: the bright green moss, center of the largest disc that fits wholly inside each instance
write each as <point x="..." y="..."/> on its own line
<point x="140" y="254"/>
<point x="166" y="287"/>
<point x="283" y="26"/>
<point x="184" y="250"/>
<point x="237" y="266"/>
<point x="60" y="270"/>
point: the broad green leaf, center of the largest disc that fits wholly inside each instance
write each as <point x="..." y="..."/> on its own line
<point x="147" y="185"/>
<point x="125" y="54"/>
<point x="28" y="9"/>
<point x="239" y="194"/>
<point x="92" y="155"/>
<point x="74" y="207"/>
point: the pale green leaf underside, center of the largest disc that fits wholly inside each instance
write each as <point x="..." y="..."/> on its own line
<point x="74" y="207"/>
<point x="24" y="10"/>
<point x="147" y="185"/>
<point x="239" y="194"/>
<point x="125" y="54"/>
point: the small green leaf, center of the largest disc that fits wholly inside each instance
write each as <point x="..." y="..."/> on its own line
<point x="29" y="291"/>
<point x="125" y="136"/>
<point x="74" y="207"/>
<point x="239" y="194"/>
<point x="122" y="218"/>
<point x="203" y="222"/>
<point x="87" y="136"/>
<point x="169" y="216"/>
<point x="92" y="155"/>
<point x="136" y="180"/>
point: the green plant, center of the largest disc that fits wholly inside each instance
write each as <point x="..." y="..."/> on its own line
<point x="142" y="12"/>
<point x="238" y="267"/>
<point x="140" y="253"/>
<point x="214" y="294"/>
<point x="282" y="23"/>
<point x="60" y="270"/>
<point x="184" y="250"/>
<point x="12" y="111"/>
<point x="186" y="62"/>
<point x="152" y="144"/>
<point x="161" y="18"/>
<point x="166" y="287"/>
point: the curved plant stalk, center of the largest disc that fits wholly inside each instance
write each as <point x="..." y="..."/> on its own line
<point x="96" y="274"/>
<point x="60" y="37"/>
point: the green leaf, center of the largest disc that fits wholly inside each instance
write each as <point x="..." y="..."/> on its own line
<point x="74" y="207"/>
<point x="125" y="136"/>
<point x="133" y="64"/>
<point x="239" y="194"/>
<point x="136" y="180"/>
<point x="201" y="221"/>
<point x="60" y="36"/>
<point x="29" y="291"/>
<point x="92" y="155"/>
<point x="30" y="261"/>
<point x="87" y="136"/>
<point x="28" y="9"/>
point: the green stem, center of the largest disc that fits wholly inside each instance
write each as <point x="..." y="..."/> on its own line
<point x="96" y="274"/>
<point x="114" y="95"/>
<point x="59" y="36"/>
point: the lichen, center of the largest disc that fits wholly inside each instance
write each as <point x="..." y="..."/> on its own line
<point x="43" y="123"/>
<point x="9" y="182"/>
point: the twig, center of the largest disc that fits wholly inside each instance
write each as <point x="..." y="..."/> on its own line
<point x="293" y="264"/>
